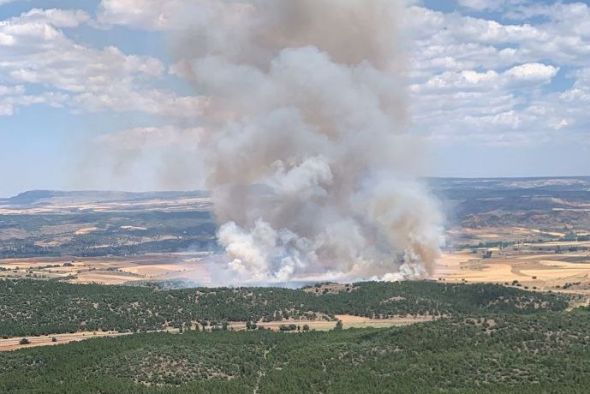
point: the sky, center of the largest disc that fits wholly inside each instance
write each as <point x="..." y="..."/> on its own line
<point x="92" y="95"/>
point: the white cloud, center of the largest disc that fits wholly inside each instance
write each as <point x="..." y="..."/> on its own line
<point x="56" y="17"/>
<point x="469" y="80"/>
<point x="490" y="5"/>
<point x="11" y="90"/>
<point x="470" y="77"/>
<point x="533" y="72"/>
<point x="478" y="4"/>
<point x="478" y="79"/>
<point x="158" y="15"/>
<point x="14" y="96"/>
<point x="147" y="14"/>
<point x="35" y="51"/>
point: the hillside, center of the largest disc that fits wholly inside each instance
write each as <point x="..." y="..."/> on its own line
<point x="47" y="307"/>
<point x="548" y="352"/>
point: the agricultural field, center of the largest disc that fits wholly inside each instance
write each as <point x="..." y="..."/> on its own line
<point x="528" y="232"/>
<point x="535" y="231"/>
<point x="567" y="272"/>
<point x="112" y="270"/>
<point x="46" y="224"/>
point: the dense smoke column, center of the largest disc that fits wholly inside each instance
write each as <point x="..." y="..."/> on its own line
<point x="309" y="165"/>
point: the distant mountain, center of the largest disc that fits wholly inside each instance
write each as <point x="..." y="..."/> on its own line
<point x="36" y="197"/>
<point x="581" y="183"/>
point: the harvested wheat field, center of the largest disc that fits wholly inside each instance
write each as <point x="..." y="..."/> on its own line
<point x="108" y="270"/>
<point x="536" y="271"/>
<point x="350" y="321"/>
<point x="10" y="344"/>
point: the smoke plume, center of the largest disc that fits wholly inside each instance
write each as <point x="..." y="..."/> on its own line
<point x="308" y="161"/>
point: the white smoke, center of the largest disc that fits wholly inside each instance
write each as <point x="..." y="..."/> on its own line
<point x="309" y="165"/>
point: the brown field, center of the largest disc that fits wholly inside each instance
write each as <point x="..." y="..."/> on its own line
<point x="538" y="258"/>
<point x="108" y="271"/>
<point x="533" y="269"/>
<point x="349" y="321"/>
<point x="534" y="266"/>
<point x="490" y="234"/>
<point x="10" y="344"/>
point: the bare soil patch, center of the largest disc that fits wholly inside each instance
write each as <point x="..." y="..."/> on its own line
<point x="10" y="344"/>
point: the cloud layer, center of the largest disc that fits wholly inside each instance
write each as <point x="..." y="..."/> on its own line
<point x="490" y="80"/>
<point x="38" y="55"/>
<point x="506" y="73"/>
<point x="495" y="82"/>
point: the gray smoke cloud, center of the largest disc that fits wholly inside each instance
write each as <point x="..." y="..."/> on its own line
<point x="309" y="163"/>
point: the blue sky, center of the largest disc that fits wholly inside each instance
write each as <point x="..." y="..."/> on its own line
<point x="90" y="97"/>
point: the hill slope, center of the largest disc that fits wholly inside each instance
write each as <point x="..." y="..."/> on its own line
<point x="32" y="307"/>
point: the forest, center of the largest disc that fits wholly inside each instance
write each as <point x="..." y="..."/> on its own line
<point x="525" y="353"/>
<point x="34" y="307"/>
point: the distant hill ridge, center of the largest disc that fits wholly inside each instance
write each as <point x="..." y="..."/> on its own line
<point x="44" y="196"/>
